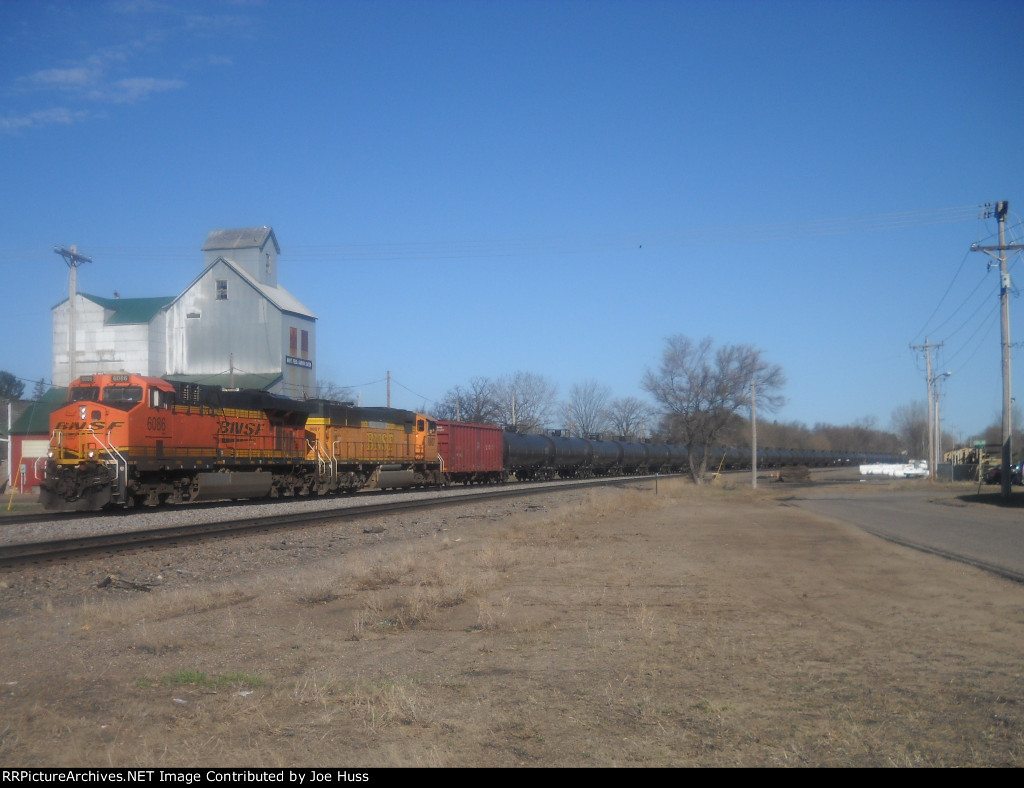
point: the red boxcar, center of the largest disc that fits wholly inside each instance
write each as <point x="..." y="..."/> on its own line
<point x="470" y="453"/>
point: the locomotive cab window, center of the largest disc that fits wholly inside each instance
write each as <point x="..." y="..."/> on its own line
<point x="84" y="394"/>
<point x="161" y="399"/>
<point x="123" y="397"/>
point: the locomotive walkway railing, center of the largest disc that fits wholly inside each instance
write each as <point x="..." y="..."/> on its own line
<point x="119" y="462"/>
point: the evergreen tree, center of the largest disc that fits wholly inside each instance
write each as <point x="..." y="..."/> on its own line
<point x="10" y="386"/>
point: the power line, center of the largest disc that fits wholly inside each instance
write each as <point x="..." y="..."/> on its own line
<point x="523" y="246"/>
<point x="986" y="325"/>
<point x="977" y="309"/>
<point x="941" y="300"/>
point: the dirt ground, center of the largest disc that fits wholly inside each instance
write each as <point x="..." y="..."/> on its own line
<point x="694" y="627"/>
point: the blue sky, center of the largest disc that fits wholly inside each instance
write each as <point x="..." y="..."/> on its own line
<point x="466" y="189"/>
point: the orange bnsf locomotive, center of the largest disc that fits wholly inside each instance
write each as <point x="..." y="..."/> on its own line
<point x="132" y="440"/>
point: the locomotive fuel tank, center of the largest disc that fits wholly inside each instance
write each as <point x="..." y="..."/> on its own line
<point x="236" y="485"/>
<point x="393" y="477"/>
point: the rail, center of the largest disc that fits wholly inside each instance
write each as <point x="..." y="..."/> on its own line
<point x="289" y="517"/>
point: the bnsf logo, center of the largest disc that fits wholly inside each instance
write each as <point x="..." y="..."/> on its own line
<point x="246" y="428"/>
<point x="87" y="426"/>
<point x="380" y="441"/>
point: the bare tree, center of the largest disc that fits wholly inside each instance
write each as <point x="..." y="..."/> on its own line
<point x="862" y="435"/>
<point x="788" y="435"/>
<point x="588" y="407"/>
<point x="630" y="417"/>
<point x="447" y="409"/>
<point x="328" y="389"/>
<point x="993" y="434"/>
<point x="701" y="389"/>
<point x="910" y="423"/>
<point x="525" y="402"/>
<point x="474" y="403"/>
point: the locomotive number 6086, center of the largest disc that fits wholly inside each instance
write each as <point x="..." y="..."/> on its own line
<point x="156" y="424"/>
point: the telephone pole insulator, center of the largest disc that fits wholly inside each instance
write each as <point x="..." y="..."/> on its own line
<point x="71" y="256"/>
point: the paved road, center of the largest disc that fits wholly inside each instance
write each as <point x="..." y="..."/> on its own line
<point x="952" y="524"/>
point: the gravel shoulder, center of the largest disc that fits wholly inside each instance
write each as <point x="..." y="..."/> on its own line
<point x="695" y="627"/>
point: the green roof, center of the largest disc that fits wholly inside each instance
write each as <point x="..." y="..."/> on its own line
<point x="129" y="311"/>
<point x="225" y="380"/>
<point x="35" y="419"/>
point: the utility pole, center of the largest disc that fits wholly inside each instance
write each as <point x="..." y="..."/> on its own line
<point x="73" y="259"/>
<point x="937" y="425"/>
<point x="753" y="432"/>
<point x="999" y="253"/>
<point x="10" y="446"/>
<point x="927" y="348"/>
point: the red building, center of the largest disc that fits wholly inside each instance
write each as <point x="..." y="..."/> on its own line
<point x="29" y="441"/>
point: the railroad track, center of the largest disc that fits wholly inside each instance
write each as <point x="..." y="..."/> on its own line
<point x="80" y="546"/>
<point x="35" y="518"/>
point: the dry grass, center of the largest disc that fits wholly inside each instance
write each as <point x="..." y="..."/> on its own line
<point x="692" y="627"/>
<point x="160" y="607"/>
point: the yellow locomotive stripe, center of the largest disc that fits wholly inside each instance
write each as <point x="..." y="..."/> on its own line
<point x="205" y="410"/>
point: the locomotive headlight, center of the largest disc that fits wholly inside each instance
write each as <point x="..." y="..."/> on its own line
<point x="81" y="412"/>
<point x="49" y="454"/>
<point x="92" y="455"/>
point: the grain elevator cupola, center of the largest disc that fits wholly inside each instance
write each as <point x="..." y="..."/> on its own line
<point x="253" y="249"/>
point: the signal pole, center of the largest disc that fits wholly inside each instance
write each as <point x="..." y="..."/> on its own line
<point x="1001" y="209"/>
<point x="73" y="259"/>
